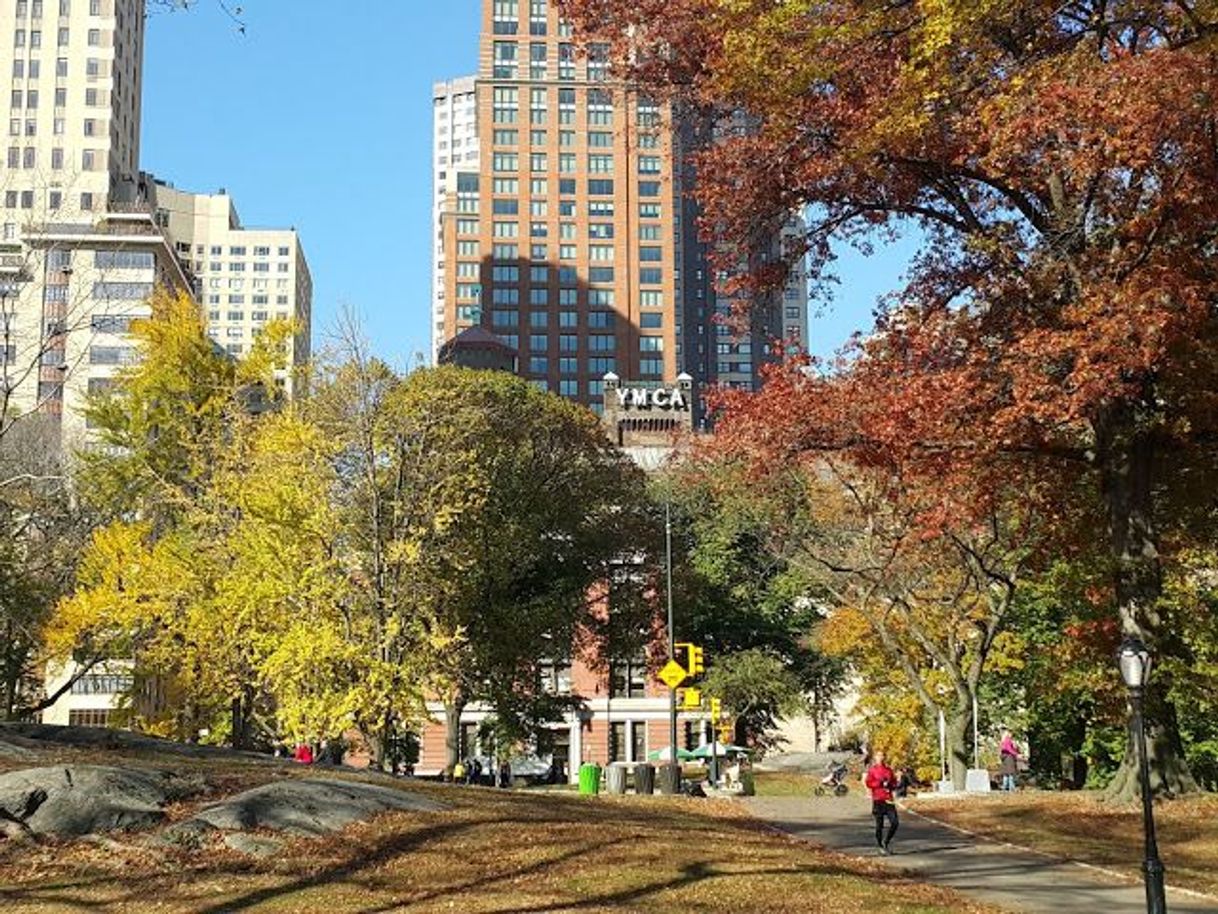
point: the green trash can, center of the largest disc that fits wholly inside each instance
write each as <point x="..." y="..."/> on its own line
<point x="589" y="779"/>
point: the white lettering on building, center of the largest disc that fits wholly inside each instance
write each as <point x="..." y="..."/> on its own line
<point x="644" y="398"/>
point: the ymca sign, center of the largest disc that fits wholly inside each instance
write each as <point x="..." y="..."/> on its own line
<point x="649" y="398"/>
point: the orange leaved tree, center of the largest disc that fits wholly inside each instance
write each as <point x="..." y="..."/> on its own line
<point x="1059" y="161"/>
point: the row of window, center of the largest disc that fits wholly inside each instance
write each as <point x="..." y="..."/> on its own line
<point x="32" y="38"/>
<point x="102" y="684"/>
<point x="90" y="159"/>
<point x="596" y="139"/>
<point x="34" y="8"/>
<point x="260" y="316"/>
<point x="470" y="226"/>
<point x="596" y="163"/>
<point x="238" y="285"/>
<point x="254" y="300"/>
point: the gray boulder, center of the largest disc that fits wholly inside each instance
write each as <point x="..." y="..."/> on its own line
<point x="84" y="799"/>
<point x="309" y="806"/>
<point x="252" y="845"/>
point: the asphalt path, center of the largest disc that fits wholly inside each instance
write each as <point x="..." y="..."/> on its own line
<point x="988" y="872"/>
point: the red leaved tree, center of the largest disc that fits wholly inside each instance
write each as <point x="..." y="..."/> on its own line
<point x="1059" y="160"/>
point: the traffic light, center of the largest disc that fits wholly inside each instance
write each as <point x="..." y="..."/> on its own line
<point x="691" y="699"/>
<point x="716" y="708"/>
<point x="696" y="664"/>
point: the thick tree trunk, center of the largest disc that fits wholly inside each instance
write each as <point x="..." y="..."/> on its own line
<point x="958" y="759"/>
<point x="1125" y="454"/>
<point x="452" y="734"/>
<point x="378" y="738"/>
<point x="236" y="711"/>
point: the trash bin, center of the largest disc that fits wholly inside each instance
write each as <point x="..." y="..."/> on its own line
<point x="615" y="779"/>
<point x="644" y="779"/>
<point x="668" y="779"/>
<point x="589" y="779"/>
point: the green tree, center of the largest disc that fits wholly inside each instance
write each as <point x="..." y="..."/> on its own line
<point x="758" y="689"/>
<point x="511" y="507"/>
<point x="736" y="591"/>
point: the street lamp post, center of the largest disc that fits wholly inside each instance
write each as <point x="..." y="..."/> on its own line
<point x="1134" y="661"/>
<point x="675" y="771"/>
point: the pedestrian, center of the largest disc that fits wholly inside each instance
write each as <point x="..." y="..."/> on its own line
<point x="1009" y="754"/>
<point x="505" y="774"/>
<point x="459" y="772"/>
<point x="881" y="781"/>
<point x="304" y="754"/>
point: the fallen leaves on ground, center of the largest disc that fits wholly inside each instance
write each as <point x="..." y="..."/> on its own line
<point x="1081" y="826"/>
<point x="493" y="851"/>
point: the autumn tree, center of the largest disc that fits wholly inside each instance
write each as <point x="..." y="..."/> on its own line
<point x="1058" y="162"/>
<point x="354" y="403"/>
<point x="507" y="505"/>
<point x="166" y="433"/>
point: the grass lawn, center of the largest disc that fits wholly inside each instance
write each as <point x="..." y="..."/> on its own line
<point x="491" y="851"/>
<point x="1079" y="826"/>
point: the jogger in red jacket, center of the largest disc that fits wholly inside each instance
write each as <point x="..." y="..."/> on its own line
<point x="881" y="781"/>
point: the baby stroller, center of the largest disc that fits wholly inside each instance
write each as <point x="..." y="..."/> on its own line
<point x="834" y="781"/>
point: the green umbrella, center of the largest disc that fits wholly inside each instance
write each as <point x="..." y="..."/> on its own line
<point x="665" y="755"/>
<point x="721" y="751"/>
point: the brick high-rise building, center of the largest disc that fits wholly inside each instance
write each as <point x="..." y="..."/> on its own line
<point x="572" y="234"/>
<point x="563" y="240"/>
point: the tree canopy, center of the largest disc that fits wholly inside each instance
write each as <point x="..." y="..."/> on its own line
<point x="1057" y="326"/>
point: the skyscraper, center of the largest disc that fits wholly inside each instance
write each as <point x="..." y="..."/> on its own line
<point x="82" y="240"/>
<point x="454" y="150"/>
<point x="563" y="239"/>
<point x="78" y="255"/>
<point x="572" y="234"/>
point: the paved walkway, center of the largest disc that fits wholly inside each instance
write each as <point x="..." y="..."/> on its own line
<point x="986" y="872"/>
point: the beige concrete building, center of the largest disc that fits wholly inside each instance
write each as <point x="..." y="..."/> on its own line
<point x="244" y="277"/>
<point x="79" y="252"/>
<point x="454" y="150"/>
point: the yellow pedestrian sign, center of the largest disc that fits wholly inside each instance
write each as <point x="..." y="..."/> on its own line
<point x="672" y="674"/>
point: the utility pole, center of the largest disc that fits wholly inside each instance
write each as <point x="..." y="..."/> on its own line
<point x="672" y="652"/>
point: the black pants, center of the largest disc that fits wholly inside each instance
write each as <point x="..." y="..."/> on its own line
<point x="881" y="810"/>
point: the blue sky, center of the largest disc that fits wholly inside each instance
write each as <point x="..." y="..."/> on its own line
<point x="319" y="117"/>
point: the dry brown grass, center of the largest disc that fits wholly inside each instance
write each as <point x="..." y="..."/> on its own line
<point x="492" y="851"/>
<point x="1079" y="826"/>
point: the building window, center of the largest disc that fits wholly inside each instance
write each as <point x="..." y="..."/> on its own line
<point x="628" y="678"/>
<point x="504" y="59"/>
<point x="602" y="342"/>
<point x="89" y="717"/>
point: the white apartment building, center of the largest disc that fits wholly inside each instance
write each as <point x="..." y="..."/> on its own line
<point x="83" y="241"/>
<point x="245" y="277"/>
<point x="455" y="148"/>
<point x="78" y="253"/>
